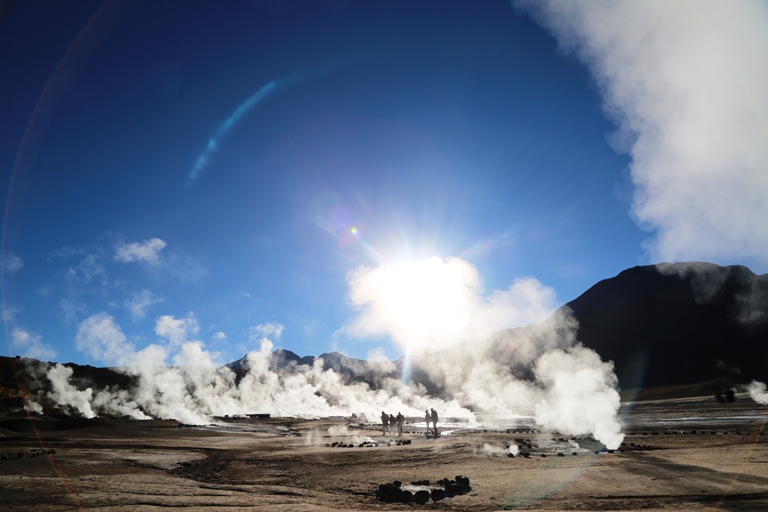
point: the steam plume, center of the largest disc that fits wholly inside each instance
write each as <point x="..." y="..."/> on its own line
<point x="687" y="85"/>
<point x="197" y="387"/>
<point x="757" y="390"/>
<point x="540" y="372"/>
<point x="436" y="311"/>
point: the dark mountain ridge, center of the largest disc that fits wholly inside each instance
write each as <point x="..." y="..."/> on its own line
<point x="674" y="324"/>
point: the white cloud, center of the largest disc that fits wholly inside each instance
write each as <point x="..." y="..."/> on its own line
<point x="140" y="302"/>
<point x="71" y="309"/>
<point x="687" y="84"/>
<point x="9" y="314"/>
<point x="11" y="263"/>
<point x="100" y="337"/>
<point x="87" y="270"/>
<point x="184" y="267"/>
<point x="177" y="330"/>
<point x="147" y="251"/>
<point x="272" y="331"/>
<point x="31" y="345"/>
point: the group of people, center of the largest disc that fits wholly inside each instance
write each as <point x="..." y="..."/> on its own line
<point x="433" y="418"/>
<point x="389" y="421"/>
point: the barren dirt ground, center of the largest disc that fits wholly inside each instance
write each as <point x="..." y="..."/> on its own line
<point x="711" y="458"/>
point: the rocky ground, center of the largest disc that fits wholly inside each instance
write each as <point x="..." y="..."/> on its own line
<point x="677" y="455"/>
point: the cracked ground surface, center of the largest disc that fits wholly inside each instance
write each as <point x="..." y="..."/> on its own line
<point x="283" y="464"/>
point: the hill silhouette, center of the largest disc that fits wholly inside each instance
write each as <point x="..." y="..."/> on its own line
<point x="676" y="324"/>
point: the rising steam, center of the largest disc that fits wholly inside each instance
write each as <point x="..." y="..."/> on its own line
<point x="687" y="84"/>
<point x="758" y="393"/>
<point x="195" y="387"/>
<point x="436" y="311"/>
<point x="540" y="372"/>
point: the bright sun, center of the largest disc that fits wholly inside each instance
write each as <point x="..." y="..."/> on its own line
<point x="421" y="303"/>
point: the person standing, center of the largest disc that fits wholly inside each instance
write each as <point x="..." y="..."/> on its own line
<point x="400" y="418"/>
<point x="434" y="421"/>
<point x="384" y="423"/>
<point x="391" y="424"/>
<point x="427" y="419"/>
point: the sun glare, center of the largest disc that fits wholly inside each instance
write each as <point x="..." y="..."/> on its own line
<point x="423" y="302"/>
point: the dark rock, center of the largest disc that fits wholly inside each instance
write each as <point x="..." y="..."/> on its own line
<point x="438" y="494"/>
<point x="391" y="493"/>
<point x="421" y="497"/>
<point x="456" y="489"/>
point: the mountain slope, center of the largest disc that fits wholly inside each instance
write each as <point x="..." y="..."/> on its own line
<point x="689" y="322"/>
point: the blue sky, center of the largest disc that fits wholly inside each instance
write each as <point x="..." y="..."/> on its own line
<point x="227" y="167"/>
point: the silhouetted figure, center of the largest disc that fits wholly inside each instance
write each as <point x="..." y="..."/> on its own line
<point x="434" y="421"/>
<point x="400" y="419"/>
<point x="391" y="424"/>
<point x="384" y="423"/>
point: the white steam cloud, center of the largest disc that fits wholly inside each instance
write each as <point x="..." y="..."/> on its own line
<point x="197" y="387"/>
<point x="687" y="84"/>
<point x="757" y="390"/>
<point x="540" y="372"/>
<point x="30" y="344"/>
<point x="436" y="311"/>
